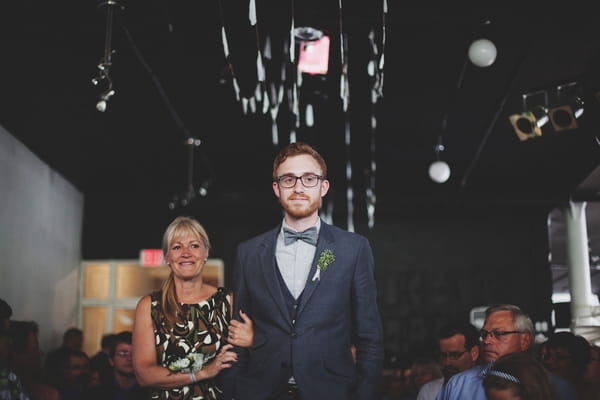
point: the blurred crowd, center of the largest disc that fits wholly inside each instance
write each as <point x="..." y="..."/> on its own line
<point x="465" y="362"/>
<point x="67" y="372"/>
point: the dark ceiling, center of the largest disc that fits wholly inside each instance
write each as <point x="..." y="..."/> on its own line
<point x="172" y="82"/>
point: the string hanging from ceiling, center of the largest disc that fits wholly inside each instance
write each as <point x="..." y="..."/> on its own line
<point x="280" y="80"/>
<point x="191" y="143"/>
<point x="105" y="63"/>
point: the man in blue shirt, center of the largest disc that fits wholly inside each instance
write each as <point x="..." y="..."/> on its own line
<point x="507" y="329"/>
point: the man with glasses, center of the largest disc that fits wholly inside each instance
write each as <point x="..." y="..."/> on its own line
<point x="309" y="287"/>
<point x="10" y="385"/>
<point x="458" y="350"/>
<point x="507" y="329"/>
<point x="124" y="385"/>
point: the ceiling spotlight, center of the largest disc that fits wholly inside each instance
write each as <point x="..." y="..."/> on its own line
<point x="563" y="118"/>
<point x="570" y="106"/>
<point x="525" y="125"/>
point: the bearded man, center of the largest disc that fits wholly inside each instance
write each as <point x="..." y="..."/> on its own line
<point x="309" y="287"/>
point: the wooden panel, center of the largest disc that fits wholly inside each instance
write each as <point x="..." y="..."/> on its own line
<point x="96" y="281"/>
<point x="131" y="281"/>
<point x="123" y="320"/>
<point x="214" y="273"/>
<point x="93" y="326"/>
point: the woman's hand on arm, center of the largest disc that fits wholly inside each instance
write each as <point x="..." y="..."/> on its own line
<point x="222" y="361"/>
<point x="241" y="333"/>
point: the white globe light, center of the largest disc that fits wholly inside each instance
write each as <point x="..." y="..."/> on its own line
<point x="482" y="52"/>
<point x="439" y="171"/>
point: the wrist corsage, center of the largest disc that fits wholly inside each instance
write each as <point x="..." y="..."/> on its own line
<point x="190" y="363"/>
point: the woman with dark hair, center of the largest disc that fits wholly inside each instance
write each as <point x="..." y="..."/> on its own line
<point x="518" y="376"/>
<point x="183" y="334"/>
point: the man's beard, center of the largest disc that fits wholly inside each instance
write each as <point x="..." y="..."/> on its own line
<point x="299" y="212"/>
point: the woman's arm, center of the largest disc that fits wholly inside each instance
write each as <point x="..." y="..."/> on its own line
<point x="148" y="372"/>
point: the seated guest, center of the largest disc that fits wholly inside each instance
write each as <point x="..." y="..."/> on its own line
<point x="518" y="376"/>
<point x="424" y="370"/>
<point x="100" y="362"/>
<point x="591" y="377"/>
<point x="123" y="385"/>
<point x="506" y="329"/>
<point x="26" y="360"/>
<point x="72" y="340"/>
<point x="396" y="379"/>
<point x="567" y="356"/>
<point x="458" y="350"/>
<point x="10" y="385"/>
<point x="74" y="374"/>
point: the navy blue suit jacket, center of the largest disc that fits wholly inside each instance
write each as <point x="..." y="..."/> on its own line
<point x="338" y="309"/>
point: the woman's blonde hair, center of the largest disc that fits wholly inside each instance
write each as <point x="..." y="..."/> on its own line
<point x="180" y="226"/>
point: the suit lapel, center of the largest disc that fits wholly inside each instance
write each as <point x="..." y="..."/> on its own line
<point x="268" y="265"/>
<point x="325" y="241"/>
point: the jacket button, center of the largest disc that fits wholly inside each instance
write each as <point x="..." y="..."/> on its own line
<point x="284" y="365"/>
<point x="294" y="335"/>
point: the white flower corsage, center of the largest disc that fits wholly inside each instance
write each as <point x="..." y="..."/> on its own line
<point x="325" y="259"/>
<point x="191" y="363"/>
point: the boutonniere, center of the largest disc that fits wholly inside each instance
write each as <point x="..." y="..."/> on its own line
<point x="325" y="260"/>
<point x="190" y="363"/>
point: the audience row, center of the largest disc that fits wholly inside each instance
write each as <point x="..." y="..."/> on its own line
<point x="500" y="361"/>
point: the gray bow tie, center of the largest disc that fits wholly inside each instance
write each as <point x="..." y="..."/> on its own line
<point x="309" y="236"/>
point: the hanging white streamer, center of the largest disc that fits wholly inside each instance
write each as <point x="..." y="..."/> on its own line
<point x="252" y="12"/>
<point x="224" y="40"/>
<point x="274" y="132"/>
<point x="260" y="69"/>
<point x="236" y="88"/>
<point x="266" y="102"/>
<point x="258" y="92"/>
<point x="292" y="49"/>
<point x="309" y="116"/>
<point x="267" y="48"/>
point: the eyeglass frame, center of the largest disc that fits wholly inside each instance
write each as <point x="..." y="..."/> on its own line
<point x="123" y="353"/>
<point x="496" y="334"/>
<point x="301" y="178"/>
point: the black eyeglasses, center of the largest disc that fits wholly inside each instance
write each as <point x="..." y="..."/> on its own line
<point x="496" y="334"/>
<point x="289" y="181"/>
<point x="451" y="355"/>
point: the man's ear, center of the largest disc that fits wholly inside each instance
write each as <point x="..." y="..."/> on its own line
<point x="324" y="187"/>
<point x="526" y="341"/>
<point x="276" y="189"/>
<point x="474" y="352"/>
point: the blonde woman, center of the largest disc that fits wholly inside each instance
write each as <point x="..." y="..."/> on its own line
<point x="182" y="336"/>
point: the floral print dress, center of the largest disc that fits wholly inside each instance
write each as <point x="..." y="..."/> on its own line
<point x="198" y="335"/>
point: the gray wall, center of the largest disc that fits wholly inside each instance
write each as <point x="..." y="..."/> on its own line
<point x="40" y="235"/>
